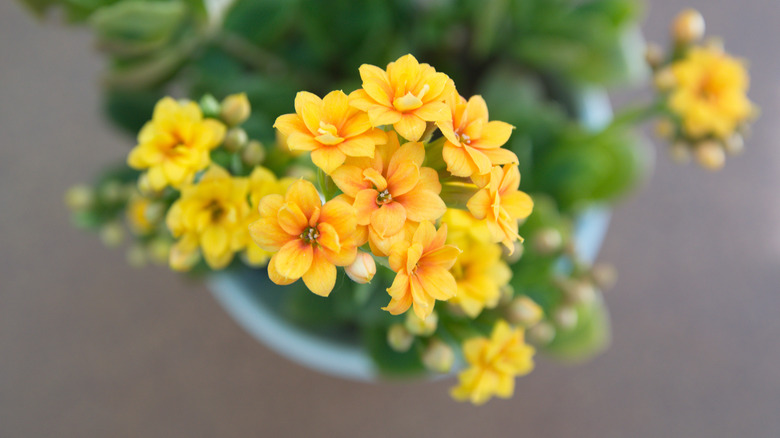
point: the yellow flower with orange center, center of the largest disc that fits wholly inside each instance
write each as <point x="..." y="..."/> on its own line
<point x="493" y="364"/>
<point x="422" y="271"/>
<point x="710" y="93"/>
<point x="407" y="96"/>
<point x="175" y="144"/>
<point x="211" y="216"/>
<point x="473" y="144"/>
<point x="330" y="129"/>
<point x="390" y="190"/>
<point x="501" y="204"/>
<point x="309" y="239"/>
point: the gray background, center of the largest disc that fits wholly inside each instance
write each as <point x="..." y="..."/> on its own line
<point x="92" y="347"/>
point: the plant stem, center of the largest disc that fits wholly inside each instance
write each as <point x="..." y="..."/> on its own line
<point x="638" y="114"/>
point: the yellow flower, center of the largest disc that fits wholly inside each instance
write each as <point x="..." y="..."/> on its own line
<point x="710" y="93"/>
<point x="391" y="190"/>
<point x="422" y="266"/>
<point x="330" y="129"/>
<point x="262" y="182"/>
<point x="407" y="95"/>
<point x="494" y="364"/>
<point x="473" y="144"/>
<point x="175" y="144"/>
<point x="139" y="212"/>
<point x="210" y="215"/>
<point x="502" y="204"/>
<point x="310" y="239"/>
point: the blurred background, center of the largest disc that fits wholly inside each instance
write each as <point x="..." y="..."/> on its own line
<point x="92" y="347"/>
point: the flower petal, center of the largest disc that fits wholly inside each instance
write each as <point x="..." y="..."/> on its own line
<point x="341" y="216"/>
<point x="309" y="108"/>
<point x="403" y="179"/>
<point x="328" y="158"/>
<point x="422" y="205"/>
<point x="303" y="194"/>
<point x="495" y="134"/>
<point x="421" y="301"/>
<point x="335" y="106"/>
<point x="294" y="259"/>
<point x="443" y="256"/>
<point x="434" y="112"/>
<point x="302" y="141"/>
<point x="362" y="146"/>
<point x="380" y="116"/>
<point x="329" y="238"/>
<point x="289" y="123"/>
<point x="365" y="205"/>
<point x="274" y="275"/>
<point x="389" y="219"/>
<point x="479" y="204"/>
<point x="355" y="125"/>
<point x="291" y="219"/>
<point x="518" y="204"/>
<point x="349" y="179"/>
<point x="401" y="295"/>
<point x="411" y="151"/>
<point x="410" y="127"/>
<point x="268" y="235"/>
<point x="458" y="161"/>
<point x="376" y="83"/>
<point x="437" y="282"/>
<point x="480" y="160"/>
<point x="500" y="156"/>
<point x="321" y="276"/>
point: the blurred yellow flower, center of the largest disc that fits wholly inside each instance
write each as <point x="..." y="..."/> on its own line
<point x="710" y="93"/>
<point x="330" y="129"/>
<point x="407" y="95"/>
<point x="309" y="239"/>
<point x="422" y="271"/>
<point x="139" y="212"/>
<point x="211" y="216"/>
<point x="493" y="365"/>
<point x="502" y="204"/>
<point x="473" y="144"/>
<point x="175" y="144"/>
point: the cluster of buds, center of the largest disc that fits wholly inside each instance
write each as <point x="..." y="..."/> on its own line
<point x="704" y="93"/>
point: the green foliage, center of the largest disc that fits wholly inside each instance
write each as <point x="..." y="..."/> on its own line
<point x="588" y="338"/>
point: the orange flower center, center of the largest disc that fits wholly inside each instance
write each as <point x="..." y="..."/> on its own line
<point x="384" y="197"/>
<point x="464" y="138"/>
<point x="310" y="235"/>
<point x="329" y="134"/>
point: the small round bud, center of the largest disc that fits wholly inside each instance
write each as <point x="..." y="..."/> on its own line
<point x="144" y="186"/>
<point x="710" y="155"/>
<point x="604" y="275"/>
<point x="112" y="234"/>
<point x="565" y="317"/>
<point x="235" y="139"/>
<point x="253" y="154"/>
<point x="301" y="172"/>
<point x="136" y="256"/>
<point x="541" y="334"/>
<point x="112" y="192"/>
<point x="680" y="152"/>
<point x="159" y="251"/>
<point x="664" y="79"/>
<point x="664" y="129"/>
<point x="181" y="260"/>
<point x="438" y="357"/>
<point x="209" y="106"/>
<point x="507" y="294"/>
<point x="421" y="327"/>
<point x="154" y="212"/>
<point x="580" y="291"/>
<point x="524" y="311"/>
<point x="654" y="55"/>
<point x="399" y="338"/>
<point x="735" y="144"/>
<point x="688" y="27"/>
<point x="516" y="255"/>
<point x="363" y="269"/>
<point x="79" y="197"/>
<point x="548" y="241"/>
<point x="235" y="109"/>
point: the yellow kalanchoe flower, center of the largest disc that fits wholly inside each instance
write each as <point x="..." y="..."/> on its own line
<point x="407" y="95"/>
<point x="391" y="190"/>
<point x="262" y="182"/>
<point x="211" y="216"/>
<point x="175" y="144"/>
<point x="330" y="129"/>
<point x="309" y="239"/>
<point x="501" y="204"/>
<point x="473" y="144"/>
<point x="139" y="210"/>
<point x="422" y="266"/>
<point x="710" y="93"/>
<point x="493" y="365"/>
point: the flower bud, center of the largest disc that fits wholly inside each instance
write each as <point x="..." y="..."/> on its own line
<point x="507" y="294"/>
<point x="182" y="260"/>
<point x="235" y="109"/>
<point x="688" y="27"/>
<point x="735" y="144"/>
<point x="565" y="317"/>
<point x="680" y="152"/>
<point x="363" y="269"/>
<point x="548" y="241"/>
<point x="541" y="334"/>
<point x="438" y="356"/>
<point x="159" y="251"/>
<point x="604" y="275"/>
<point x="399" y="338"/>
<point x="112" y="192"/>
<point x="235" y="139"/>
<point x="79" y="197"/>
<point x="524" y="311"/>
<point x="710" y="155"/>
<point x="154" y="212"/>
<point x="209" y="106"/>
<point x="112" y="234"/>
<point x="664" y="129"/>
<point x="664" y="80"/>
<point x="136" y="256"/>
<point x="580" y="291"/>
<point x="421" y="327"/>
<point x="253" y="153"/>
<point x="654" y="55"/>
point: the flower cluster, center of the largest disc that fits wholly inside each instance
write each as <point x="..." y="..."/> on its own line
<point x="704" y="90"/>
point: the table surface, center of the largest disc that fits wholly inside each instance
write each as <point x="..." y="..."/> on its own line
<point x="92" y="347"/>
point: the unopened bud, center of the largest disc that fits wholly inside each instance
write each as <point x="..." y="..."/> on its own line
<point x="664" y="129"/>
<point x="144" y="186"/>
<point x="136" y="256"/>
<point x="154" y="212"/>
<point x="112" y="192"/>
<point x="79" y="197"/>
<point x="235" y="139"/>
<point x="112" y="234"/>
<point x="182" y="260"/>
<point x="399" y="338"/>
<point x="297" y="172"/>
<point x="524" y="311"/>
<point x="680" y="152"/>
<point x="253" y="154"/>
<point x="604" y="275"/>
<point x="688" y="27"/>
<point x="580" y="291"/>
<point x="735" y="144"/>
<point x="438" y="356"/>
<point x="710" y="155"/>
<point x="235" y="109"/>
<point x="664" y="79"/>
<point x="565" y="317"/>
<point x="541" y="334"/>
<point x="209" y="106"/>
<point x="421" y="327"/>
<point x="654" y="55"/>
<point x="548" y="241"/>
<point x="363" y="269"/>
<point x="159" y="251"/>
<point x="507" y="294"/>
